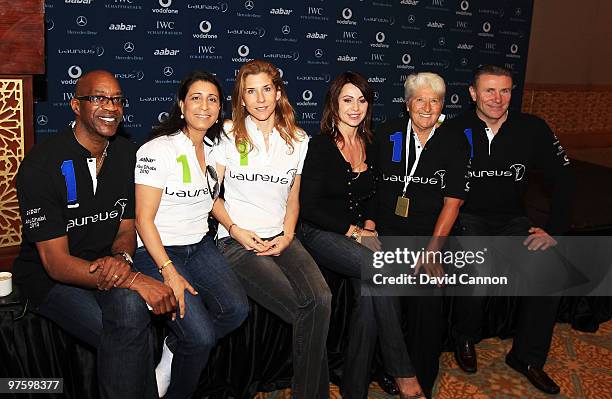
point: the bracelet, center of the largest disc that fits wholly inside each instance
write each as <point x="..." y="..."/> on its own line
<point x="133" y="279"/>
<point x="166" y="263"/>
<point x="229" y="229"/>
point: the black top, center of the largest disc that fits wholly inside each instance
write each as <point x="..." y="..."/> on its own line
<point x="499" y="172"/>
<point x="332" y="197"/>
<point x="56" y="198"/>
<point x="441" y="172"/>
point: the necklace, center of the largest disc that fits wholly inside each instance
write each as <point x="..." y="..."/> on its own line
<point x="99" y="160"/>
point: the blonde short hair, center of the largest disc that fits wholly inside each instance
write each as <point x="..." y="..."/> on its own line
<point x="424" y="79"/>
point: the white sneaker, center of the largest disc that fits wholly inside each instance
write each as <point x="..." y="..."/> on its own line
<point x="163" y="371"/>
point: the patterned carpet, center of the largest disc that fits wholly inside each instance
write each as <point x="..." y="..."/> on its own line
<point x="581" y="363"/>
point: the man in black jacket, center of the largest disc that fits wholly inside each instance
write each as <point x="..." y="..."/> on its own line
<point x="504" y="147"/>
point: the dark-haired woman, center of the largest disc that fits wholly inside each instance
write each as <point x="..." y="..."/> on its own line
<point x="261" y="162"/>
<point x="337" y="197"/>
<point x="175" y="190"/>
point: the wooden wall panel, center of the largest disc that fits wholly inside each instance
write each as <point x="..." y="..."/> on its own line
<point x="22" y="29"/>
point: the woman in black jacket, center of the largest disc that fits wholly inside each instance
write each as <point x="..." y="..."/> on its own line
<point x="337" y="199"/>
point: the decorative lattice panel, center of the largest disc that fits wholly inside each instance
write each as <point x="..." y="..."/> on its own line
<point x="12" y="150"/>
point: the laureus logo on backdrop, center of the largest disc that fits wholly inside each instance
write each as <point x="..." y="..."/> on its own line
<point x="219" y="7"/>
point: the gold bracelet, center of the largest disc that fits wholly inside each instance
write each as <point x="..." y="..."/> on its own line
<point x="133" y="279"/>
<point x="166" y="263"/>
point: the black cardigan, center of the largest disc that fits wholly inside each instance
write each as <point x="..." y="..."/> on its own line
<point x="327" y="196"/>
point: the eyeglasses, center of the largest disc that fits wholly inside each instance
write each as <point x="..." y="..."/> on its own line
<point x="104" y="100"/>
<point x="214" y="192"/>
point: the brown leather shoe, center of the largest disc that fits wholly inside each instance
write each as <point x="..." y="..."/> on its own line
<point x="465" y="354"/>
<point x="535" y="375"/>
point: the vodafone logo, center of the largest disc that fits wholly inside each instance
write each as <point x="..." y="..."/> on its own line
<point x="165" y="3"/>
<point x="465" y="5"/>
<point x="406" y="59"/>
<point x="454" y="98"/>
<point x="486" y="27"/>
<point x="75" y="71"/>
<point x="347" y="13"/>
<point x="307" y="95"/>
<point x="162" y="116"/>
<point x="205" y="26"/>
<point x="380" y="37"/>
<point x="514" y="48"/>
<point x="243" y="50"/>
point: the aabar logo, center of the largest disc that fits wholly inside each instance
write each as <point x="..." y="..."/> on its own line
<point x="121" y="26"/>
<point x="316" y="35"/>
<point x="280" y="11"/>
<point x="166" y="51"/>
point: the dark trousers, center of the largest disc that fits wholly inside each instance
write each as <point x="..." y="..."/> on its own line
<point x="372" y="317"/>
<point x="116" y="323"/>
<point x="536" y="315"/>
<point x="220" y="306"/>
<point x="292" y="287"/>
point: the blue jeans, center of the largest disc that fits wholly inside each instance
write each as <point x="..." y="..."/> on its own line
<point x="291" y="286"/>
<point x="116" y="323"/>
<point x="220" y="307"/>
<point x="372" y="317"/>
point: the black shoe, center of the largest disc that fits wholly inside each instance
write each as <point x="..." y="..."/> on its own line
<point x="465" y="354"/>
<point x="535" y="375"/>
<point x="387" y="383"/>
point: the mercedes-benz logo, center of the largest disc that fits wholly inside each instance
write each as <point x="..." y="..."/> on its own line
<point x="243" y="50"/>
<point x="518" y="12"/>
<point x="380" y="37"/>
<point x="75" y="71"/>
<point x="128" y="47"/>
<point x="307" y="95"/>
<point x="463" y="61"/>
<point x="42" y="120"/>
<point x="162" y="116"/>
<point x="168" y="71"/>
<point x="165" y="3"/>
<point x="249" y="4"/>
<point x="441" y="41"/>
<point x="50" y="24"/>
<point x="286" y="29"/>
<point x="139" y="75"/>
<point x="318" y="53"/>
<point x="81" y="20"/>
<point x="205" y="26"/>
<point x="411" y="18"/>
<point x="347" y="13"/>
<point x="376" y="95"/>
<point x="406" y="59"/>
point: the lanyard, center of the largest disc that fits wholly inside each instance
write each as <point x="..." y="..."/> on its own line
<point x="417" y="157"/>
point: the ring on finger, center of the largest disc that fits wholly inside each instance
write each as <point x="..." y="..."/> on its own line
<point x="116" y="277"/>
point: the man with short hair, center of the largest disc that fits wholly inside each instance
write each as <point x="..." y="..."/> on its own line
<point x="504" y="141"/>
<point x="76" y="195"/>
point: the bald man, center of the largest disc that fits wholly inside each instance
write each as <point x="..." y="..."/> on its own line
<point x="76" y="196"/>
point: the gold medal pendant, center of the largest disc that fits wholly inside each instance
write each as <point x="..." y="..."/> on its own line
<point x="401" y="208"/>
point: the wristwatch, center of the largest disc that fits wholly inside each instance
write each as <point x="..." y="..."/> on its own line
<point x="125" y="257"/>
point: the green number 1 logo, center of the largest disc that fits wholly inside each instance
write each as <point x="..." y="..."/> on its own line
<point x="186" y="172"/>
<point x="243" y="149"/>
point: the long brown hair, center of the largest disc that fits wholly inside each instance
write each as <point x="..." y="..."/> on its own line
<point x="284" y="116"/>
<point x="330" y="112"/>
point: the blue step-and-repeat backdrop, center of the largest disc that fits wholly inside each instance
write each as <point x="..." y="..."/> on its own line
<point x="151" y="44"/>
